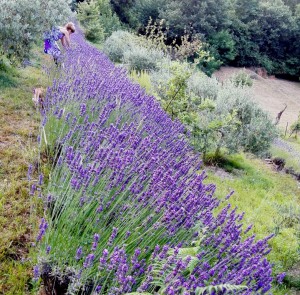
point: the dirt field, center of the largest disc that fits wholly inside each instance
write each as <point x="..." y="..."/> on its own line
<point x="271" y="94"/>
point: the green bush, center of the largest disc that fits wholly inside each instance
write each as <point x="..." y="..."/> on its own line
<point x="116" y="45"/>
<point x="199" y="85"/>
<point x="88" y="15"/>
<point x="140" y="58"/>
<point x="206" y="62"/>
<point x="218" y="117"/>
<point x="108" y="18"/>
<point x="223" y="46"/>
<point x="98" y="19"/>
<point x="134" y="51"/>
<point x="241" y="79"/>
<point x="254" y="130"/>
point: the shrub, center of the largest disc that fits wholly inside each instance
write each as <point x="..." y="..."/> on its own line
<point x="141" y="58"/>
<point x="108" y="19"/>
<point x="170" y="86"/>
<point x="223" y="46"/>
<point x="132" y="50"/>
<point x="98" y="19"/>
<point x="116" y="45"/>
<point x="216" y="116"/>
<point x="206" y="62"/>
<point x="199" y="85"/>
<point x="242" y="79"/>
<point x="88" y="15"/>
<point x="23" y="22"/>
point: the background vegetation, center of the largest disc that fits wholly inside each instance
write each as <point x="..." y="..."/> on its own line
<point x="237" y="32"/>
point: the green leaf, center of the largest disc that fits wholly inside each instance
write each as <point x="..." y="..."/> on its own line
<point x="138" y="293"/>
<point x="220" y="288"/>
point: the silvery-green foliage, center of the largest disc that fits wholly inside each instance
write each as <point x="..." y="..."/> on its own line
<point x="242" y="79"/>
<point x="200" y="85"/>
<point x="217" y="115"/>
<point x="119" y="42"/>
<point x="132" y="50"/>
<point x="161" y="77"/>
<point x="23" y="22"/>
<point x="254" y="130"/>
<point x="141" y="58"/>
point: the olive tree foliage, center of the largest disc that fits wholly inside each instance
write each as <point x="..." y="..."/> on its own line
<point x="136" y="52"/>
<point x="23" y="22"/>
<point x="217" y="117"/>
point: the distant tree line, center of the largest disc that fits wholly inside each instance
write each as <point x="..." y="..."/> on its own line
<point x="259" y="33"/>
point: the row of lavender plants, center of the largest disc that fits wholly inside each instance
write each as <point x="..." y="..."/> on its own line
<point x="126" y="205"/>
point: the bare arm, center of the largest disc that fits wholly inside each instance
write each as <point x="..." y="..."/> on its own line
<point x="65" y="40"/>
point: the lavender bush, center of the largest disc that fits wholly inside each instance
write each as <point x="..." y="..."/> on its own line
<point x="125" y="204"/>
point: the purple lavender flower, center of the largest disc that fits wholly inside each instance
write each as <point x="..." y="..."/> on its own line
<point x="48" y="249"/>
<point x="82" y="109"/>
<point x="89" y="260"/>
<point x="95" y="243"/>
<point x="36" y="273"/>
<point x="280" y="277"/>
<point x="32" y="190"/>
<point x="98" y="289"/>
<point x="30" y="169"/>
<point x="78" y="253"/>
<point x="113" y="236"/>
<point x="41" y="179"/>
<point x="43" y="226"/>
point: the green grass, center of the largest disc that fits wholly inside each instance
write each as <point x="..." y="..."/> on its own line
<point x="290" y="160"/>
<point x="19" y="123"/>
<point x="294" y="142"/>
<point x="142" y="78"/>
<point x="271" y="202"/>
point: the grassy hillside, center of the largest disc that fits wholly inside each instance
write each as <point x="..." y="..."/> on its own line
<point x="19" y="121"/>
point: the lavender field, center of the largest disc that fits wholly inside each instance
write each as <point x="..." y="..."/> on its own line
<point x="126" y="207"/>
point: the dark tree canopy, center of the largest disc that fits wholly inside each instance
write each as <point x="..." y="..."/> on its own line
<point x="240" y="32"/>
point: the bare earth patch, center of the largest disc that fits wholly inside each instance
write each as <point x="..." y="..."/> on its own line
<point x="270" y="93"/>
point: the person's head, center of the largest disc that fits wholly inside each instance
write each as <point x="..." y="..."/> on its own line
<point x="70" y="27"/>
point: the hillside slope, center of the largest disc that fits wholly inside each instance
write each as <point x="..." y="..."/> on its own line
<point x="271" y="94"/>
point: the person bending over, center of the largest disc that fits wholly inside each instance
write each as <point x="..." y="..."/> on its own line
<point x="58" y="33"/>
